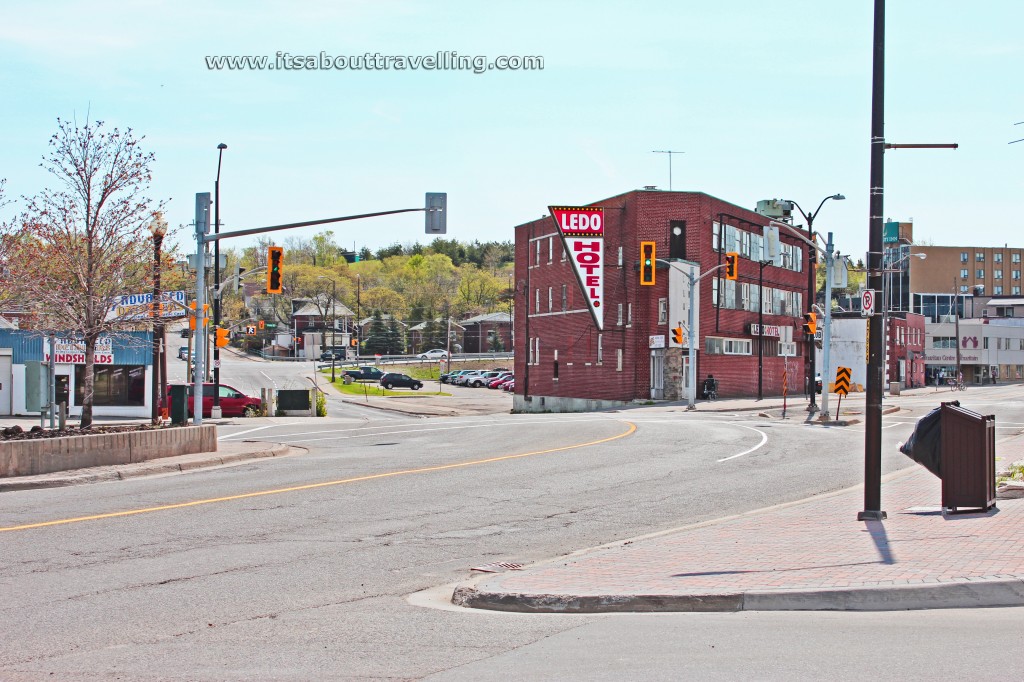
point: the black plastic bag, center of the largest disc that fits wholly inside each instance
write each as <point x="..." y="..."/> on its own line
<point x="925" y="444"/>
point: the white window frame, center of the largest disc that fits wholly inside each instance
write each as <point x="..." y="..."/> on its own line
<point x="662" y="311"/>
<point x="619" y="322"/>
<point x="618" y="359"/>
<point x="551" y="299"/>
<point x="600" y="349"/>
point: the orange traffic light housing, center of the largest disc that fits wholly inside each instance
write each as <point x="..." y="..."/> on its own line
<point x="810" y="323"/>
<point x="648" y="264"/>
<point x="223" y="337"/>
<point x="275" y="261"/>
<point x="677" y="335"/>
<point x="732" y="265"/>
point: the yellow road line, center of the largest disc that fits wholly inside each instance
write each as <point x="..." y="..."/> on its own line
<point x="312" y="486"/>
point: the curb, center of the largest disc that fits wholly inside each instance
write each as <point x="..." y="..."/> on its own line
<point x="150" y="468"/>
<point x="968" y="594"/>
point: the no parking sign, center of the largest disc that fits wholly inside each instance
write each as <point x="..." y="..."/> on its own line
<point x="867" y="303"/>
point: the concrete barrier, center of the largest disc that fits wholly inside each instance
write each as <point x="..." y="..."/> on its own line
<point x="46" y="455"/>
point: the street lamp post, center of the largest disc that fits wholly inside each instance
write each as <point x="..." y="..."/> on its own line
<point x="812" y="287"/>
<point x="158" y="228"/>
<point x="215" y="413"/>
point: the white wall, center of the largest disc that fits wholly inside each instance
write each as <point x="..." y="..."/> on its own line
<point x="848" y="349"/>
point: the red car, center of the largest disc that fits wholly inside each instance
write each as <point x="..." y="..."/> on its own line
<point x="500" y="381"/>
<point x="233" y="403"/>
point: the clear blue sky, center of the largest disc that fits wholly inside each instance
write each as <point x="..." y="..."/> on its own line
<point x="765" y="99"/>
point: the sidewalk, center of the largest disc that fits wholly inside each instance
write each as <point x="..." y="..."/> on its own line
<point x="807" y="555"/>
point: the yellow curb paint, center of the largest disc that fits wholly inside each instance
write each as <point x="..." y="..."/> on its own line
<point x="313" y="486"/>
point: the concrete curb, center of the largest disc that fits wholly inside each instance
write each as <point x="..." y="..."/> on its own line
<point x="149" y="468"/>
<point x="1004" y="591"/>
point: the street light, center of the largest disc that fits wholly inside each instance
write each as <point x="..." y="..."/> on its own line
<point x="158" y="228"/>
<point x="812" y="287"/>
<point x="334" y="319"/>
<point x="216" y="283"/>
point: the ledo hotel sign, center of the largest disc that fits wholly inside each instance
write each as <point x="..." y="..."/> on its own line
<point x="582" y="231"/>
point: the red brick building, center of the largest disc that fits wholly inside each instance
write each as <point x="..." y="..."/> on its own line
<point x="905" y="349"/>
<point x="563" y="362"/>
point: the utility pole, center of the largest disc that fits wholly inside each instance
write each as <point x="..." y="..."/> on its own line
<point x="215" y="413"/>
<point x="202" y="221"/>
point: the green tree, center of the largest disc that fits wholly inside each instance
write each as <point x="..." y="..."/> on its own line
<point x="376" y="339"/>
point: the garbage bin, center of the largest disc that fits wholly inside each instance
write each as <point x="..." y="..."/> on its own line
<point x="894" y="388"/>
<point x="968" y="456"/>
<point x="179" y="403"/>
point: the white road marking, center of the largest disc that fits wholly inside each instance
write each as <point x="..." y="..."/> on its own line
<point x="258" y="428"/>
<point x="764" y="439"/>
<point x="269" y="377"/>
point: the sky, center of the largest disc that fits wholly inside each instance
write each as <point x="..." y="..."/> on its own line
<point x="765" y="100"/>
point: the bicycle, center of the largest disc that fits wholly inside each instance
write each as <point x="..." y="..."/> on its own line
<point x="955" y="385"/>
<point x="710" y="389"/>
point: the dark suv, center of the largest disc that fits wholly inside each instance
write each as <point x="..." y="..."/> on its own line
<point x="395" y="380"/>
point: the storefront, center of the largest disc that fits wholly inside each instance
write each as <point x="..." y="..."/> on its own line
<point x="122" y="376"/>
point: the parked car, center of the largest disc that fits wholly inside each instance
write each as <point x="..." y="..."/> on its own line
<point x="364" y="374"/>
<point x="183" y="353"/>
<point x="501" y="380"/>
<point x="329" y="355"/>
<point x="433" y="354"/>
<point x="463" y="379"/>
<point x="482" y="379"/>
<point x="396" y="380"/>
<point x="447" y="377"/>
<point x="509" y="386"/>
<point x="233" y="403"/>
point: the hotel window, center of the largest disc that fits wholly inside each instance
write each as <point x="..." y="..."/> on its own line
<point x="997" y="274"/>
<point x="551" y="299"/>
<point x="629" y="314"/>
<point x="1015" y="257"/>
<point x="963" y="288"/>
<point x="536" y="301"/>
<point x="551" y="248"/>
<point x="618" y="359"/>
<point x="529" y="343"/>
<point x="662" y="311"/>
<point x="1015" y="274"/>
<point x="600" y="348"/>
<point x="619" y="322"/>
<point x="745" y="244"/>
<point x="997" y="291"/>
<point x="1015" y="291"/>
<point x="730" y="293"/>
<point x="963" y="256"/>
<point x="997" y="257"/>
<point x="979" y="256"/>
<point x="716" y="229"/>
<point x="964" y="273"/>
<point x="537" y="259"/>
<point x="715" y="345"/>
<point x="565" y="298"/>
<point x="620" y="257"/>
<point x="980" y="273"/>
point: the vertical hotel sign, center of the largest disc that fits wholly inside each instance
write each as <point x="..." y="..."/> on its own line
<point x="582" y="231"/>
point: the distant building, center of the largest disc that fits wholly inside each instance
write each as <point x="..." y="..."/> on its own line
<point x="481" y="331"/>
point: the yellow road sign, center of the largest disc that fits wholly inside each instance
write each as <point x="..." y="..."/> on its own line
<point x="842" y="386"/>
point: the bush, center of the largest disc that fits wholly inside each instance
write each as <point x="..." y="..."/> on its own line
<point x="321" y="404"/>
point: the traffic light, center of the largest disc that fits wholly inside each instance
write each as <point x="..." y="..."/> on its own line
<point x="223" y="336"/>
<point x="261" y="324"/>
<point x="677" y="335"/>
<point x="732" y="265"/>
<point x="354" y="342"/>
<point x="437" y="213"/>
<point x="192" y="315"/>
<point x="648" y="264"/>
<point x="275" y="259"/>
<point x="810" y="323"/>
<point x="238" y="278"/>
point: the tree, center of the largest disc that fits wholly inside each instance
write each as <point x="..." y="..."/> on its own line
<point x="376" y="340"/>
<point x="88" y="239"/>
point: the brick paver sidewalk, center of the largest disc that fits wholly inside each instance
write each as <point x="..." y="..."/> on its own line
<point x="807" y="555"/>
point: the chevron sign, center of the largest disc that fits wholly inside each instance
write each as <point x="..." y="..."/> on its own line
<point x="842" y="386"/>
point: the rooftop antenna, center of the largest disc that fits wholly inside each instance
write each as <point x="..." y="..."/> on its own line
<point x="670" y="153"/>
<point x="1021" y="139"/>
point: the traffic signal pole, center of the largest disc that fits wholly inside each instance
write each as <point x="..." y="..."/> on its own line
<point x="436" y="208"/>
<point x="826" y="334"/>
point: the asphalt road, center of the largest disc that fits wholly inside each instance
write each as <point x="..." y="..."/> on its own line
<point x="301" y="567"/>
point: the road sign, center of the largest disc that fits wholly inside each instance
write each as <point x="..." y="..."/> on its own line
<point x="867" y="303"/>
<point x="251" y="330"/>
<point x="842" y="386"/>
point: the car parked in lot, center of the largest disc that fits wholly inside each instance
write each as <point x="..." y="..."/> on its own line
<point x="233" y="403"/>
<point x="363" y="374"/>
<point x="509" y="386"/>
<point x="447" y="377"/>
<point x="497" y="383"/>
<point x="433" y="354"/>
<point x="183" y="353"/>
<point x="481" y="379"/>
<point x="396" y="380"/>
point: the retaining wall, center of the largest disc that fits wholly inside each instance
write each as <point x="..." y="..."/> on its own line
<point x="45" y="455"/>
